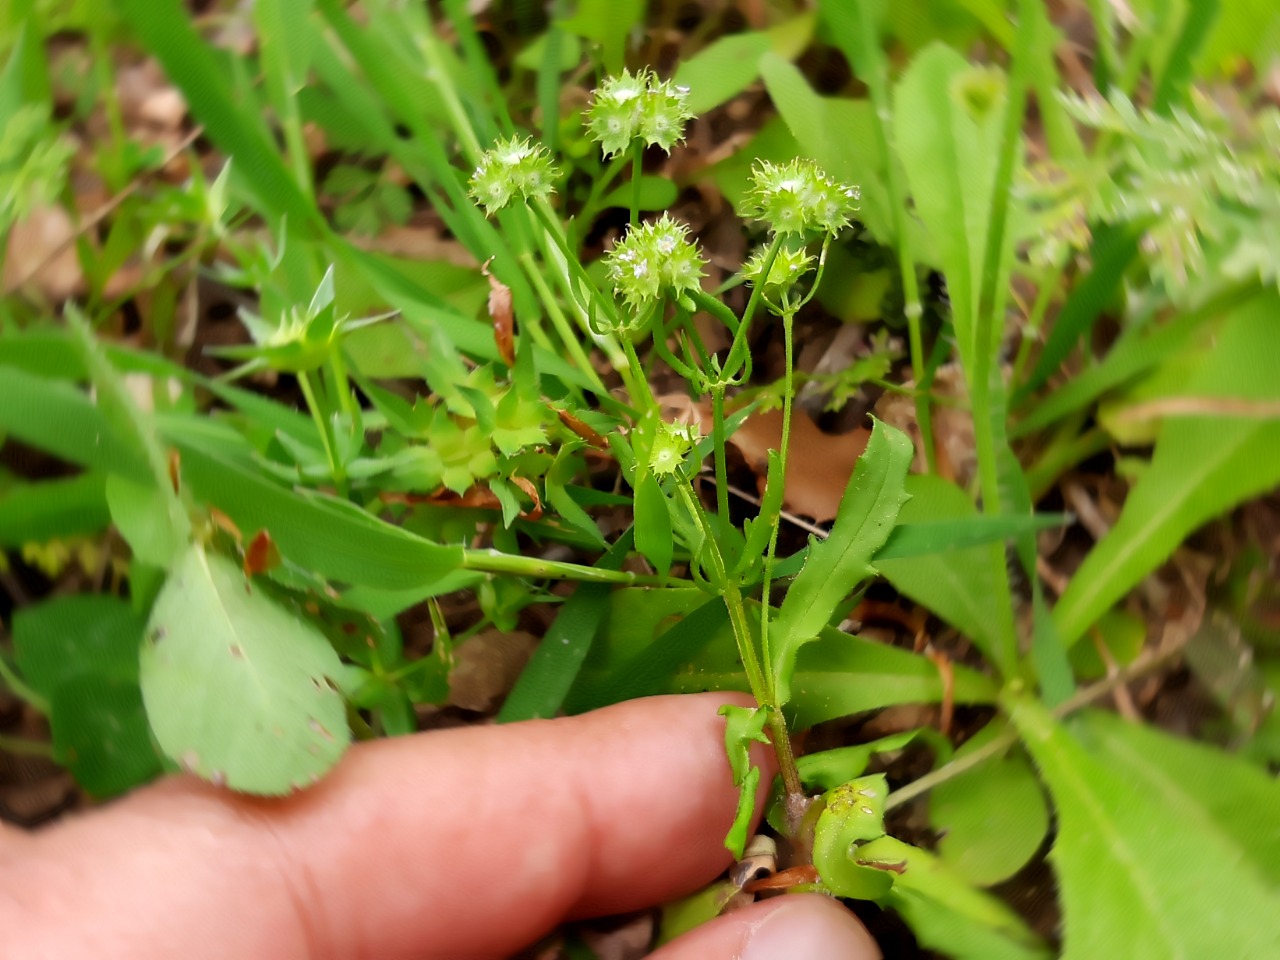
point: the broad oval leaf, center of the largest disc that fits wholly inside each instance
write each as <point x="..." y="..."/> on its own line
<point x="237" y="688"/>
<point x="1146" y="867"/>
<point x="991" y="819"/>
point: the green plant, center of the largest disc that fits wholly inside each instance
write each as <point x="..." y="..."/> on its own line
<point x="474" y="423"/>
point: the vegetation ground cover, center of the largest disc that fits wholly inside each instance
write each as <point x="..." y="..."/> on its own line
<point x="367" y="368"/>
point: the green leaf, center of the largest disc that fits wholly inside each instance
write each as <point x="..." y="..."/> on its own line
<point x="854" y="814"/>
<point x="955" y="585"/>
<point x="948" y="142"/>
<point x="608" y="22"/>
<point x="993" y="818"/>
<point x="83" y="633"/>
<point x="743" y="726"/>
<point x="828" y="769"/>
<point x="1240" y="800"/>
<point x="1203" y="465"/>
<point x="835" y="566"/>
<point x="165" y="30"/>
<point x="60" y="419"/>
<point x="642" y="664"/>
<point x="844" y="675"/>
<point x="139" y="514"/>
<point x="653" y="524"/>
<point x="723" y="69"/>
<point x="100" y="733"/>
<point x="238" y="689"/>
<point x="656" y="193"/>
<point x="51" y="509"/>
<point x="1145" y="868"/>
<point x="551" y="672"/>
<point x="1113" y="249"/>
<point x="81" y="653"/>
<point x="948" y="915"/>
<point x="329" y="537"/>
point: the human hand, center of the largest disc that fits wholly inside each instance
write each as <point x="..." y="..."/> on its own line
<point x="457" y="844"/>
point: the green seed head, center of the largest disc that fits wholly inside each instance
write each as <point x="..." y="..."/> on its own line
<point x="654" y="259"/>
<point x="512" y="169"/>
<point x="631" y="106"/>
<point x="797" y="198"/>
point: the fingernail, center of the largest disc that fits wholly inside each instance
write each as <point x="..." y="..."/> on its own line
<point x="809" y="927"/>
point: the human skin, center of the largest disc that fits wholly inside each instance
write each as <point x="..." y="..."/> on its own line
<point x="459" y="844"/>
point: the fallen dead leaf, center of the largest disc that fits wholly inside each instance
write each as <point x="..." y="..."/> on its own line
<point x="819" y="464"/>
<point x="487" y="666"/>
<point x="41" y="254"/>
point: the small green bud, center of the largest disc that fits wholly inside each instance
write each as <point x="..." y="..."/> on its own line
<point x="671" y="445"/>
<point x="788" y="267"/>
<point x="655" y="259"/>
<point x="798" y="198"/>
<point x="629" y="106"/>
<point x="512" y="169"/>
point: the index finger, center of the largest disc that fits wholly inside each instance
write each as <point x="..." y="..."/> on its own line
<point x="462" y="843"/>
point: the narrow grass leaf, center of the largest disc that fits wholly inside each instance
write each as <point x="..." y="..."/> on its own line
<point x="165" y="29"/>
<point x="53" y="509"/>
<point x="60" y="419"/>
<point x="326" y="536"/>
<point x="1113" y="249"/>
<point x="1203" y="465"/>
<point x="553" y="669"/>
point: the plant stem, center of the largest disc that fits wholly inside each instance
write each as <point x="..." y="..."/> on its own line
<point x="560" y="322"/>
<point x="758" y="677"/>
<point x="19" y="688"/>
<point x="336" y="469"/>
<point x="637" y="157"/>
<point x="739" y="347"/>
<point x="21" y="747"/>
<point x="788" y="323"/>
<point x="1003" y="741"/>
<point x="718" y="448"/>
<point x="495" y="561"/>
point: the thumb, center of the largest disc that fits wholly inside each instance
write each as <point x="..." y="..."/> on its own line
<point x="794" y="927"/>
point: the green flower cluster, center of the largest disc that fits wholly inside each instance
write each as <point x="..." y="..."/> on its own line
<point x="797" y="198"/>
<point x="638" y="105"/>
<point x="512" y="168"/>
<point x="654" y="259"/>
<point x="788" y="267"/>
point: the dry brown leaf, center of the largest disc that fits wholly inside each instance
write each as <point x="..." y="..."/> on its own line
<point x="819" y="464"/>
<point x="487" y="666"/>
<point x="502" y="313"/>
<point x="43" y="243"/>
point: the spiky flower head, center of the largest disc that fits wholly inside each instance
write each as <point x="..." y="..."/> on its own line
<point x="630" y="106"/>
<point x="797" y="198"/>
<point x="654" y="259"/>
<point x="514" y="168"/>
<point x="671" y="444"/>
<point x="788" y="267"/>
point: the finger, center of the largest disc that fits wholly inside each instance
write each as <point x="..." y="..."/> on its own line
<point x="794" y="927"/>
<point x="462" y="843"/>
